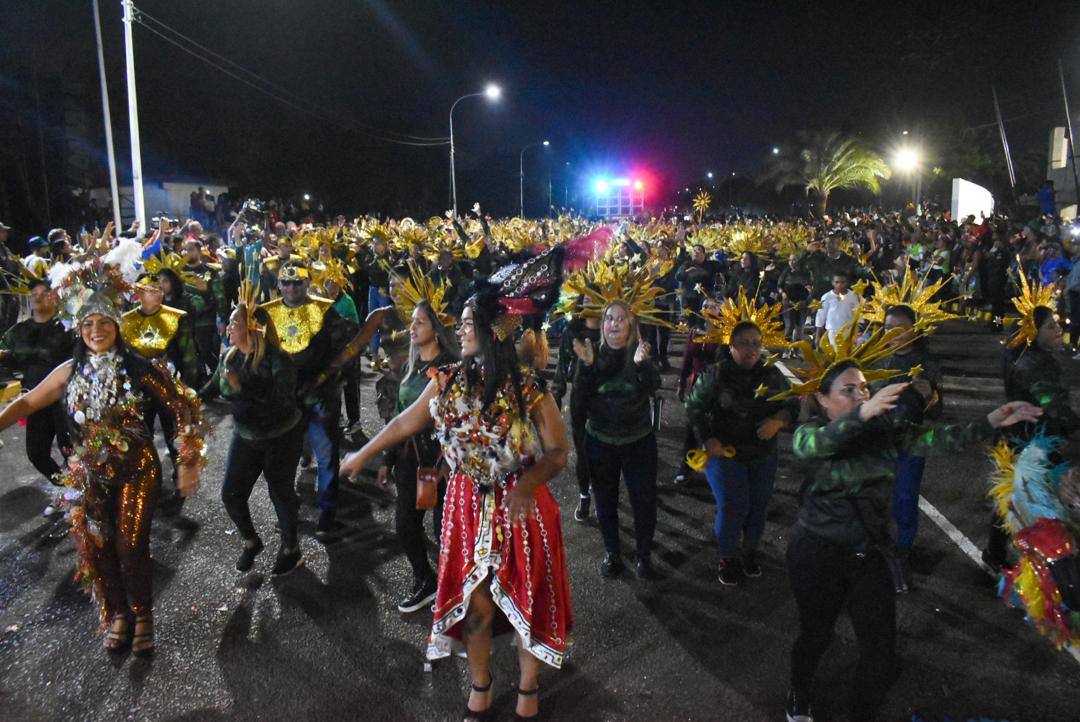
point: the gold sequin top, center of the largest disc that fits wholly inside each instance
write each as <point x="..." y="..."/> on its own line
<point x="484" y="444"/>
<point x="296" y="326"/>
<point x="150" y="335"/>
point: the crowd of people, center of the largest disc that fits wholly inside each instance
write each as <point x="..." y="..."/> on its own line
<point x="113" y="333"/>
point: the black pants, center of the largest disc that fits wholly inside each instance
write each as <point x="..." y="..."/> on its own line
<point x="275" y="459"/>
<point x="42" y="427"/>
<point x="825" y="578"/>
<point x="636" y="463"/>
<point x="351" y="390"/>
<point x="408" y="520"/>
<point x="152" y="419"/>
<point x="207" y="345"/>
<point x="581" y="464"/>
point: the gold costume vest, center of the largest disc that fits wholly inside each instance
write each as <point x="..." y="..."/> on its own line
<point x="150" y="335"/>
<point x="297" y="326"/>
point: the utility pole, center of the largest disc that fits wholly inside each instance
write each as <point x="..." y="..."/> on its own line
<point x="133" y="118"/>
<point x="107" y="119"/>
<point x="1069" y="128"/>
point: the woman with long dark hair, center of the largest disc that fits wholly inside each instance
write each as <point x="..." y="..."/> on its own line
<point x="115" y="473"/>
<point x="501" y="559"/>
<point x="431" y="346"/>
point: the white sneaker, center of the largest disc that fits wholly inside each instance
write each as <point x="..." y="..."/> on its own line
<point x="1076" y="357"/>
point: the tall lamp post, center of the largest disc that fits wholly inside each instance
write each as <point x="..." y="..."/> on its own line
<point x="491" y="92"/>
<point x="521" y="174"/>
<point x="907" y="160"/>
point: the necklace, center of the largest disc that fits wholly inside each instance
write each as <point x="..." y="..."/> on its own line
<point x="96" y="387"/>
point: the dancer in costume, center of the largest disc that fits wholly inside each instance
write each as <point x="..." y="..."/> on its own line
<point x="839" y="553"/>
<point x="914" y="306"/>
<point x="501" y="561"/>
<point x="34" y="348"/>
<point x="162" y="335"/>
<point x="313" y="334"/>
<point x="731" y="410"/>
<point x="616" y="384"/>
<point x="114" y="475"/>
<point x="432" y="346"/>
<point x="258" y="380"/>
<point x="209" y="307"/>
<point x="1033" y="374"/>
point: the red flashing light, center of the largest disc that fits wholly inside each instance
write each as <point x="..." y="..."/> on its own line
<point x="638" y="185"/>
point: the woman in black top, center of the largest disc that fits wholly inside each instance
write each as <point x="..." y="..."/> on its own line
<point x="616" y="384"/>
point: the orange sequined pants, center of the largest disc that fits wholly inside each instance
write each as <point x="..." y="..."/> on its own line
<point x="123" y="509"/>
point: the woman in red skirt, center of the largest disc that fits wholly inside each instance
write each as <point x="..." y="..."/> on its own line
<point x="501" y="561"/>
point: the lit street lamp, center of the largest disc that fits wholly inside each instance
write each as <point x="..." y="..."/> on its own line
<point x="775" y="150"/>
<point x="907" y="160"/>
<point x="521" y="174"/>
<point x="492" y="93"/>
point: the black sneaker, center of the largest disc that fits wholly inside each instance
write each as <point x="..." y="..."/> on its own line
<point x="324" y="530"/>
<point x="247" y="556"/>
<point x="798" y="708"/>
<point x="644" y="569"/>
<point x="750" y="566"/>
<point x="287" y="563"/>
<point x="730" y="573"/>
<point x="422" y="595"/>
<point x="612" y="565"/>
<point x="583" y="507"/>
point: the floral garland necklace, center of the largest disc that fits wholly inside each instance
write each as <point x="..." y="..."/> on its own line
<point x="97" y="387"/>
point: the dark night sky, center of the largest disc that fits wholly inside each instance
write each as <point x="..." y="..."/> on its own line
<point x="677" y="88"/>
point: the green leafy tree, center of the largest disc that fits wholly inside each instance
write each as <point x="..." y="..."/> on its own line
<point x="821" y="162"/>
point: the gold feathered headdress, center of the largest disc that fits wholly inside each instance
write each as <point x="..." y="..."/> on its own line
<point x="765" y="317"/>
<point x="417" y="287"/>
<point x="174" y="262"/>
<point x="247" y="300"/>
<point x="1032" y="296"/>
<point x="603" y="283"/>
<point x="331" y="269"/>
<point x="19" y="284"/>
<point x="915" y="293"/>
<point x="847" y="347"/>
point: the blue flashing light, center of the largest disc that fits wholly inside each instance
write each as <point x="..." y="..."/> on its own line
<point x="620" y="182"/>
<point x="601" y="185"/>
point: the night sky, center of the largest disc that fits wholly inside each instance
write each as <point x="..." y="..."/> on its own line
<point x="672" y="89"/>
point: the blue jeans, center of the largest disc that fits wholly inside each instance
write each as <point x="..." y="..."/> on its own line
<point x="375" y="300"/>
<point x="909" y="473"/>
<point x="742" y="494"/>
<point x="322" y="434"/>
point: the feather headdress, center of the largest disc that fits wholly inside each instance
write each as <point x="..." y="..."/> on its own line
<point x="765" y="317"/>
<point x="416" y="287"/>
<point x="1032" y="295"/>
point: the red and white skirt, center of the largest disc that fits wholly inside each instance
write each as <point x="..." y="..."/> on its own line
<point x="523" y="565"/>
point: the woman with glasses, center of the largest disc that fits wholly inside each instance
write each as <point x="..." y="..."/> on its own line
<point x="729" y="407"/>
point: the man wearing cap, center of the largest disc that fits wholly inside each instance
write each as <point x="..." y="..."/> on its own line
<point x="38" y="260"/>
<point x="60" y="245"/>
<point x="35" y="347"/>
<point x="313" y="334"/>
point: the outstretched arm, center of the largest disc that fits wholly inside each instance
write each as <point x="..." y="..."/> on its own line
<point x="45" y="394"/>
<point x="411" y="421"/>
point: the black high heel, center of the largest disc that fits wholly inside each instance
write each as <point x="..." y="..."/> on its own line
<point x="472" y="715"/>
<point x="527" y="693"/>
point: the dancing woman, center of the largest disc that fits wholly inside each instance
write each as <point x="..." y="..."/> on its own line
<point x="115" y="474"/>
<point x="501" y="559"/>
<point x="838" y="556"/>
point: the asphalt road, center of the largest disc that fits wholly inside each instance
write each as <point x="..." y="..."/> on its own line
<point x="328" y="643"/>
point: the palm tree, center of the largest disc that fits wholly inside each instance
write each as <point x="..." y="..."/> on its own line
<point x="824" y="161"/>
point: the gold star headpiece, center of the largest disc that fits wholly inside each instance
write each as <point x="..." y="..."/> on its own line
<point x="417" y="287"/>
<point x="330" y="269"/>
<point x="174" y="262"/>
<point x="1032" y="296"/>
<point x="293" y="272"/>
<point x="19" y="284"/>
<point x="914" y="292"/>
<point x="866" y="352"/>
<point x="603" y="283"/>
<point x="765" y="317"/>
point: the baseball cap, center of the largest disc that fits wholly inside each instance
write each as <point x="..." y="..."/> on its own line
<point x="37" y="242"/>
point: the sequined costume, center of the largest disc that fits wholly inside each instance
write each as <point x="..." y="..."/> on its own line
<point x="487" y="450"/>
<point x="165" y="335"/>
<point x="115" y="473"/>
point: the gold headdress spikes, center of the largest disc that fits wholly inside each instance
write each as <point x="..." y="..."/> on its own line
<point x="765" y="317"/>
<point x="604" y="283"/>
<point x="331" y="269"/>
<point x="1031" y="297"/>
<point x="847" y="347"/>
<point x="417" y="287"/>
<point x="248" y="299"/>
<point x="913" y="292"/>
<point x="174" y="262"/>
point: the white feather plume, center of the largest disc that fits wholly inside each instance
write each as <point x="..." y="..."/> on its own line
<point x="127" y="256"/>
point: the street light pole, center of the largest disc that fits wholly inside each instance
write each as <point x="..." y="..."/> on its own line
<point x="492" y="93"/>
<point x="110" y="152"/>
<point x="133" y="118"/>
<point x="521" y="175"/>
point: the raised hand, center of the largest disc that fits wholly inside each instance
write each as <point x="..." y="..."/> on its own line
<point x="584" y="351"/>
<point x="1014" y="412"/>
<point x="881" y="402"/>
